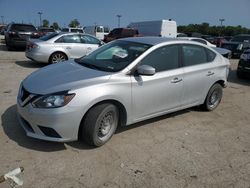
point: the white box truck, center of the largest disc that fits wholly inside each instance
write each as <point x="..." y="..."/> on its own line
<point x="162" y="28"/>
<point x="98" y="31"/>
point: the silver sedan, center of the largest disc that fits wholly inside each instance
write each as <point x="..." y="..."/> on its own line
<point x="58" y="47"/>
<point x="120" y="83"/>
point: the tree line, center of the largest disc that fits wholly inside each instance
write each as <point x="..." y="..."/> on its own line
<point x="203" y="28"/>
<point x="206" y="29"/>
<point x="55" y="25"/>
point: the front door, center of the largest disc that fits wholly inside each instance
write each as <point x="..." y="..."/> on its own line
<point x="157" y="94"/>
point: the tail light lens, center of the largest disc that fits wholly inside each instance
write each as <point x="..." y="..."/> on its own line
<point x="12" y="33"/>
<point x="31" y="45"/>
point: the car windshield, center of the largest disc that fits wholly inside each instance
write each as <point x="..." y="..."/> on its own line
<point x="114" y="56"/>
<point x="47" y="37"/>
<point x="106" y="30"/>
<point x="231" y="47"/>
<point x="77" y="30"/>
<point x="20" y="27"/>
<point x="47" y="30"/>
<point x="241" y="39"/>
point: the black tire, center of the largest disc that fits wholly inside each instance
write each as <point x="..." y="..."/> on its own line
<point x="240" y="75"/>
<point x="213" y="98"/>
<point x="94" y="130"/>
<point x="57" y="57"/>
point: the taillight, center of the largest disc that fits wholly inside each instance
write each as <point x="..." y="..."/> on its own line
<point x="12" y="33"/>
<point x="32" y="45"/>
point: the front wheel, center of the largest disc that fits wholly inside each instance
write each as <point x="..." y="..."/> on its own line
<point x="213" y="98"/>
<point x="100" y="124"/>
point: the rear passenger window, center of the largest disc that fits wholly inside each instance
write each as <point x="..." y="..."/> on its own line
<point x="210" y="55"/>
<point x="89" y="40"/>
<point x="163" y="59"/>
<point x="69" y="39"/>
<point x="193" y="55"/>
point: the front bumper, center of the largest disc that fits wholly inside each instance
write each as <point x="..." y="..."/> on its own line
<point x="244" y="66"/>
<point x="58" y="124"/>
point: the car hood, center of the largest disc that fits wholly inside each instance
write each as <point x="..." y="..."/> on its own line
<point x="63" y="76"/>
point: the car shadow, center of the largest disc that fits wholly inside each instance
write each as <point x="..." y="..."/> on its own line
<point x="30" y="64"/>
<point x="4" y="48"/>
<point x="16" y="133"/>
<point x="232" y="77"/>
<point x="156" y="119"/>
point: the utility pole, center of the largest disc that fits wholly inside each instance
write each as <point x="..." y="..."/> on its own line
<point x="2" y="17"/>
<point x="40" y="16"/>
<point x="119" y="19"/>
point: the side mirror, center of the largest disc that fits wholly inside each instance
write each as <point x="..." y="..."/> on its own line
<point x="101" y="43"/>
<point x="146" y="70"/>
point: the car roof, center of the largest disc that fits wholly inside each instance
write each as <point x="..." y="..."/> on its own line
<point x="149" y="40"/>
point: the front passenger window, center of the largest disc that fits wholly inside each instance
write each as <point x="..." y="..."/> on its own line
<point x="163" y="59"/>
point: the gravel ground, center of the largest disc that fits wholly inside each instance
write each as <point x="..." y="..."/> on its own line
<point x="187" y="149"/>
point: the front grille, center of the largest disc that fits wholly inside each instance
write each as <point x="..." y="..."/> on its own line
<point x="24" y="94"/>
<point x="49" y="132"/>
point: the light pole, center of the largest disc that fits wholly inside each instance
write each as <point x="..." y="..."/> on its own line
<point x="221" y="22"/>
<point x="119" y="19"/>
<point x="40" y="16"/>
<point x="2" y="20"/>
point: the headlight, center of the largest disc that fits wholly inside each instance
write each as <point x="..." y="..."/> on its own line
<point x="52" y="101"/>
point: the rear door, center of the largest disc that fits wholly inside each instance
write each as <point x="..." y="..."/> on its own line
<point x="71" y="45"/>
<point x="199" y="73"/>
<point x="89" y="43"/>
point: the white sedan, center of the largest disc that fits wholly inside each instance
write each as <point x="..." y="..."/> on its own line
<point x="58" y="47"/>
<point x="200" y="40"/>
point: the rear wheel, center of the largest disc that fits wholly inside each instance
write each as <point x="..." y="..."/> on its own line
<point x="57" y="57"/>
<point x="100" y="124"/>
<point x="213" y="98"/>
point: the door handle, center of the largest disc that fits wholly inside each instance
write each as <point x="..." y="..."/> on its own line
<point x="176" y="80"/>
<point x="68" y="48"/>
<point x="89" y="48"/>
<point x="210" y="73"/>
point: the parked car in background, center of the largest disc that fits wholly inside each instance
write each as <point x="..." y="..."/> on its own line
<point x="121" y="83"/>
<point x="16" y="35"/>
<point x="98" y="31"/>
<point x="73" y="30"/>
<point x="118" y="33"/>
<point x="58" y="47"/>
<point x="160" y="28"/>
<point x="237" y="44"/>
<point x="2" y="29"/>
<point x="200" y="40"/>
<point x="243" y="69"/>
<point x="45" y="31"/>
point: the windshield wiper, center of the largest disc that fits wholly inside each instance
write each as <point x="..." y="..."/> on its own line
<point x="88" y="65"/>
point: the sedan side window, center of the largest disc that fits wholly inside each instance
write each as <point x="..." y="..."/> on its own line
<point x="163" y="59"/>
<point x="193" y="55"/>
<point x="89" y="40"/>
<point x="69" y="39"/>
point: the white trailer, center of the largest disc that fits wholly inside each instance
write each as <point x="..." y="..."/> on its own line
<point x="98" y="31"/>
<point x="163" y="28"/>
